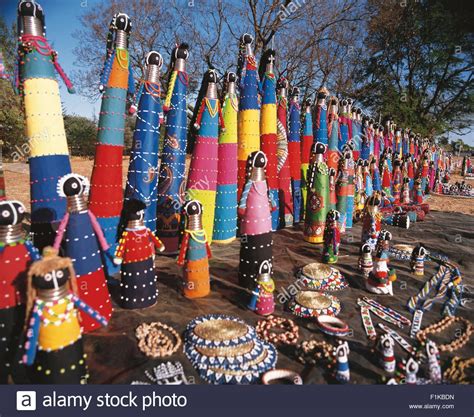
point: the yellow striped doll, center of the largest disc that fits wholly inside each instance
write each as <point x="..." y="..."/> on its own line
<point x="53" y="348"/>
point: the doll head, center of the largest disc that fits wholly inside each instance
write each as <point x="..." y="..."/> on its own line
<point x="12" y="212"/>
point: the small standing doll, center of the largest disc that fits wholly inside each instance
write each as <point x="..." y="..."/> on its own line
<point x="332" y="189"/>
<point x="411" y="371"/>
<point x="365" y="260"/>
<point x="256" y="223"/>
<point x="418" y="192"/>
<point x="332" y="238"/>
<point x="195" y="253"/>
<point x="53" y="347"/>
<point x="387" y="352"/>
<point x="82" y="240"/>
<point x="406" y="191"/>
<point x="341" y="354"/>
<point x="16" y="255"/>
<point x="136" y="255"/>
<point x="371" y="220"/>
<point x="417" y="261"/>
<point x="380" y="279"/>
<point x="432" y="352"/>
<point x="317" y="202"/>
<point x="262" y="301"/>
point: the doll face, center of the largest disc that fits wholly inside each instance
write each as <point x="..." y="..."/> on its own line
<point x="259" y="160"/>
<point x="193" y="207"/>
<point x="319" y="148"/>
<point x="29" y="8"/>
<point x="265" y="267"/>
<point x="51" y="280"/>
<point x="138" y="215"/>
<point x="182" y="52"/>
<point x="282" y="83"/>
<point x="122" y="22"/>
<point x="154" y="58"/>
<point x="212" y="76"/>
<point x="11" y="213"/>
<point x="74" y="186"/>
<point x="246" y="38"/>
<point x="231" y="77"/>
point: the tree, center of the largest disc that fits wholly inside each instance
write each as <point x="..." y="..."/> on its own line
<point x="81" y="134"/>
<point x="419" y="64"/>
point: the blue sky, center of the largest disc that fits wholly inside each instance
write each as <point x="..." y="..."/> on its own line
<point x="62" y="21"/>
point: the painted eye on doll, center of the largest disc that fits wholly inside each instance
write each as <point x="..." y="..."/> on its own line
<point x="21" y="209"/>
<point x="59" y="274"/>
<point x="5" y="213"/>
<point x="74" y="185"/>
<point x="48" y="277"/>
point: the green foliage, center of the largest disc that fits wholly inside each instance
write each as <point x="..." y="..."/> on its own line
<point x="81" y="134"/>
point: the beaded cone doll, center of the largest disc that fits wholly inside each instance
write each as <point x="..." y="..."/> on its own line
<point x="53" y="348"/>
<point x="387" y="353"/>
<point x="285" y="199"/>
<point x="365" y="260"/>
<point x="380" y="279"/>
<point x="249" y="107"/>
<point x="343" y="187"/>
<point x="371" y="220"/>
<point x="195" y="253"/>
<point x="16" y="255"/>
<point x="375" y="174"/>
<point x="307" y="140"/>
<point x="82" y="240"/>
<point x="405" y="198"/>
<point x="225" y="221"/>
<point x="332" y="238"/>
<point x="142" y="180"/>
<point x="44" y="125"/>
<point x="202" y="176"/>
<point x="116" y="85"/>
<point x="268" y="126"/>
<point x="417" y="260"/>
<point x="341" y="354"/>
<point x="135" y="254"/>
<point x="294" y="151"/>
<point x="317" y="202"/>
<point x="334" y="132"/>
<point x="256" y="229"/>
<point x="397" y="180"/>
<point x="262" y="301"/>
<point x="171" y="184"/>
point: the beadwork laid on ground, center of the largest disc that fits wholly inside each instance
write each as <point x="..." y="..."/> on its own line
<point x="320" y="277"/>
<point x="226" y="350"/>
<point x="116" y="83"/>
<point x="225" y="221"/>
<point x="171" y="184"/>
<point x="268" y="127"/>
<point x="202" y="176"/>
<point x="135" y="254"/>
<point x="262" y="300"/>
<point x="16" y="255"/>
<point x="310" y="303"/>
<point x="81" y="238"/>
<point x="47" y="144"/>
<point x="142" y="180"/>
<point x="53" y="349"/>
<point x="255" y="209"/>
<point x="194" y="253"/>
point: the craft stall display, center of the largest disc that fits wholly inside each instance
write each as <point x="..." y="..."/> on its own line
<point x="48" y="158"/>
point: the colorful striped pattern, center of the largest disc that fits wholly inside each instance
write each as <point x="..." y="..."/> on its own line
<point x="172" y="167"/>
<point x="248" y="119"/>
<point x="294" y="149"/>
<point x="334" y="137"/>
<point x="306" y="142"/>
<point x="225" y="221"/>
<point x="268" y="139"/>
<point x="142" y="181"/>
<point x="106" y="195"/>
<point x="49" y="156"/>
<point x="202" y="177"/>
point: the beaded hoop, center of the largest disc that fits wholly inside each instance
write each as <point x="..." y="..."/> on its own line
<point x="321" y="277"/>
<point x="154" y="341"/>
<point x="313" y="304"/>
<point x="457" y="343"/>
<point x="310" y="352"/>
<point x="281" y="374"/>
<point x="288" y="337"/>
<point x="333" y="326"/>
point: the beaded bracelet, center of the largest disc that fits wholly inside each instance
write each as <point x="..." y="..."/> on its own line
<point x="156" y="339"/>
<point x="311" y="352"/>
<point x="457" y="343"/>
<point x="288" y="337"/>
<point x="333" y="326"/>
<point x="281" y="374"/>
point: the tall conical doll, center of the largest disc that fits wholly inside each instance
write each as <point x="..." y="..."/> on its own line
<point x="320" y="119"/>
<point x="342" y="187"/>
<point x="53" y="348"/>
<point x="48" y="151"/>
<point x="82" y="239"/>
<point x="268" y="126"/>
<point x="357" y="132"/>
<point x="255" y="211"/>
<point x="135" y="254"/>
<point x="294" y="150"/>
<point x="375" y="174"/>
<point x="3" y="193"/>
<point x="350" y="166"/>
<point x="249" y="107"/>
<point x="307" y="140"/>
<point x="397" y="180"/>
<point x="381" y="278"/>
<point x="366" y="137"/>
<point x="194" y="253"/>
<point x="317" y="204"/>
<point x="171" y="184"/>
<point x="142" y="181"/>
<point x="371" y="220"/>
<point x="285" y="198"/>
<point x="334" y="135"/>
<point x="202" y="176"/>
<point x="16" y="256"/>
<point x="332" y="189"/>
<point x="332" y="238"/>
<point x="225" y="220"/>
<point x="344" y="125"/>
<point x="262" y="300"/>
<point x="106" y="196"/>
